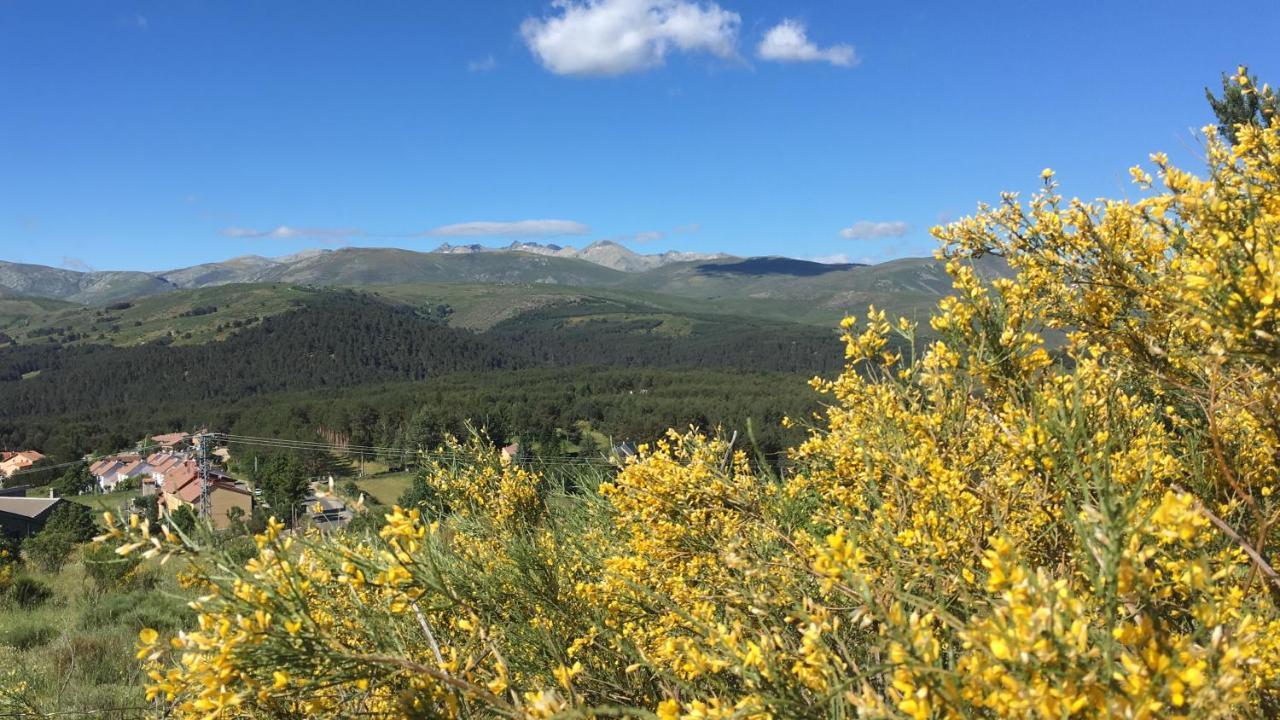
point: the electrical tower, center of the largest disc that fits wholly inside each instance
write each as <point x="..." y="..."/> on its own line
<point x="202" y="463"/>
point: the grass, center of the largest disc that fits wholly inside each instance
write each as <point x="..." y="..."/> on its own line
<point x="153" y="317"/>
<point x="101" y="503"/>
<point x="75" y="653"/>
<point x="386" y="488"/>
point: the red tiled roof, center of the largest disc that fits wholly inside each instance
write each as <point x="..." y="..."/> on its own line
<point x="170" y="438"/>
<point x="107" y="467"/>
<point x="132" y="468"/>
<point x="30" y="456"/>
<point x="190" y="492"/>
<point x="167" y="463"/>
<point x="183" y="481"/>
<point x="178" y="476"/>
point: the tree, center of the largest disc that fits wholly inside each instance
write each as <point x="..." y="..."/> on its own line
<point x="74" y="519"/>
<point x="1243" y="103"/>
<point x="284" y="484"/>
<point x="69" y="525"/>
<point x="39" y="473"/>
<point x="184" y="518"/>
<point x="422" y="495"/>
<point x="148" y="506"/>
<point x="75" y="481"/>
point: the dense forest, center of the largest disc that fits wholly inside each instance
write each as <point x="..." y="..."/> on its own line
<point x="350" y="365"/>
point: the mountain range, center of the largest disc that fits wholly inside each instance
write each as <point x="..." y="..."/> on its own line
<point x="604" y="252"/>
<point x="485" y="285"/>
<point x="524" y="262"/>
<point x="89" y="357"/>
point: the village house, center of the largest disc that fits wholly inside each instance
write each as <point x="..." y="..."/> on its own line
<point x="109" y="472"/>
<point x="12" y="462"/>
<point x="181" y="486"/>
<point x="159" y="464"/>
<point x="169" y="441"/>
<point x="24" y="516"/>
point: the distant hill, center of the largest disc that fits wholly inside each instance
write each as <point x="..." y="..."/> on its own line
<point x="326" y="340"/>
<point x="603" y="252"/>
<point x="802" y="291"/>
<point x="80" y="287"/>
<point x="522" y="277"/>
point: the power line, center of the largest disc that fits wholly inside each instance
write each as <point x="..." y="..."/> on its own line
<point x="292" y="444"/>
<point x="43" y="468"/>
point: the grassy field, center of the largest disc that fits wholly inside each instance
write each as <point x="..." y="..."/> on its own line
<point x="387" y="488"/>
<point x="107" y="501"/>
<point x="72" y="654"/>
<point x="189" y="317"/>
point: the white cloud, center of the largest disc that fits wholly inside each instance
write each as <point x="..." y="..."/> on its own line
<point x="788" y="41"/>
<point x="484" y="65"/>
<point x="648" y="236"/>
<point x="836" y="259"/>
<point x="687" y="228"/>
<point x="613" y="37"/>
<point x="284" y="232"/>
<point x="872" y="230"/>
<point x="519" y="228"/>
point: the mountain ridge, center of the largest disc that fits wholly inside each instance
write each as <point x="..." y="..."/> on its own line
<point x="777" y="287"/>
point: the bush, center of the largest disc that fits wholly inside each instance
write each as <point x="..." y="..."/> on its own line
<point x="996" y="527"/>
<point x="365" y="523"/>
<point x="29" y="593"/>
<point x="49" y="550"/>
<point x="107" y="569"/>
<point x="239" y="549"/>
<point x="26" y="633"/>
<point x="73" y="519"/>
<point x="92" y="658"/>
<point x="69" y="525"/>
<point x="136" y="610"/>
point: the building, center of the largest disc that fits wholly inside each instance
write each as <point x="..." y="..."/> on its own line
<point x="181" y="486"/>
<point x="170" y="441"/>
<point x="159" y="464"/>
<point x="12" y="462"/>
<point x="109" y="472"/>
<point x="104" y="471"/>
<point x="23" y="516"/>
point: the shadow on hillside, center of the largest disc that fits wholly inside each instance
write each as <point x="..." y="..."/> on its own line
<point x="774" y="266"/>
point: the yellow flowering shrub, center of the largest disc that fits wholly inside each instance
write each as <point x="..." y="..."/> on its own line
<point x="1060" y="503"/>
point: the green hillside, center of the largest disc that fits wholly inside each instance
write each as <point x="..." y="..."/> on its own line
<point x="192" y="316"/>
<point x="16" y="308"/>
<point x="80" y="287"/>
<point x="79" y="395"/>
<point x="185" y="317"/>
<point x="481" y="288"/>
<point x="389" y="266"/>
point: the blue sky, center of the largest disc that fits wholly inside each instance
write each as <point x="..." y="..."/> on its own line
<point x="151" y="135"/>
